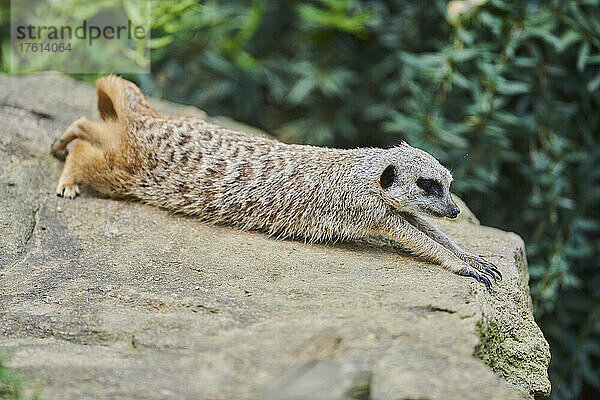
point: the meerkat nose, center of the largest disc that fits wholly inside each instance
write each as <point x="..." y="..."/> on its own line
<point x="453" y="212"/>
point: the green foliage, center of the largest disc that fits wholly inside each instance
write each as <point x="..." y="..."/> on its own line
<point x="10" y="384"/>
<point x="166" y="20"/>
<point x="504" y="93"/>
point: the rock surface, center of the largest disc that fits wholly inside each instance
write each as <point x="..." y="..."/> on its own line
<point x="112" y="299"/>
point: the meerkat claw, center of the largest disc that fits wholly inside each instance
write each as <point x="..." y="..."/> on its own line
<point x="489" y="272"/>
<point x="474" y="275"/>
<point x="480" y="278"/>
<point x="484" y="266"/>
<point x="493" y="271"/>
<point x="486" y="281"/>
<point x="70" y="191"/>
<point x="497" y="272"/>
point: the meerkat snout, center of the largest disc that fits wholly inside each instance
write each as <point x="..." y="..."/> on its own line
<point x="435" y="191"/>
<point x="453" y="211"/>
<point x="436" y="199"/>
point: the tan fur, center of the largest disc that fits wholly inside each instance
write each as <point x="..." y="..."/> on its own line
<point x="191" y="166"/>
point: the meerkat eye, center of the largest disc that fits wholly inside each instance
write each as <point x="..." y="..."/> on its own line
<point x="387" y="177"/>
<point x="430" y="186"/>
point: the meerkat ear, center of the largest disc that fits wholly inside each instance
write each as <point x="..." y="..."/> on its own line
<point x="106" y="107"/>
<point x="387" y="177"/>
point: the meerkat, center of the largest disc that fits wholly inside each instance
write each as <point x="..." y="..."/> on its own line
<point x="190" y="166"/>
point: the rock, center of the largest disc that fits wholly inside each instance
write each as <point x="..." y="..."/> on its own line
<point x="112" y="299"/>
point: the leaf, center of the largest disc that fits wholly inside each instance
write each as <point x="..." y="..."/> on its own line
<point x="158" y="42"/>
<point x="584" y="54"/>
<point x="512" y="87"/>
<point x="569" y="37"/>
<point x="301" y="90"/>
<point x="593" y="85"/>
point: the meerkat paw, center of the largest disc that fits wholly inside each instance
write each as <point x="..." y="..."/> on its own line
<point x="59" y="152"/>
<point x="463" y="269"/>
<point x="70" y="190"/>
<point x="481" y="277"/>
<point x="484" y="266"/>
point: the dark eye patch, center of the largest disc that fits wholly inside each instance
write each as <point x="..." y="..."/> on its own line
<point x="430" y="186"/>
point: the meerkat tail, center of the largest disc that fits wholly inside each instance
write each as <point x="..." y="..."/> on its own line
<point x="121" y="100"/>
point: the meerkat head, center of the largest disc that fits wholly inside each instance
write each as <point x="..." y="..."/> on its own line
<point x="413" y="181"/>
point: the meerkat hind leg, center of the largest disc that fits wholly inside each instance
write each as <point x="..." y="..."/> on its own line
<point x="102" y="135"/>
<point x="80" y="161"/>
<point x="75" y="131"/>
<point x="86" y="156"/>
<point x="67" y="183"/>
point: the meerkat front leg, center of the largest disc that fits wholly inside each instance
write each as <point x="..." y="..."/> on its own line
<point x="434" y="233"/>
<point x="421" y="244"/>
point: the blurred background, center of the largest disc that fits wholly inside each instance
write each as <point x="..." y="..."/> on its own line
<point x="504" y="93"/>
